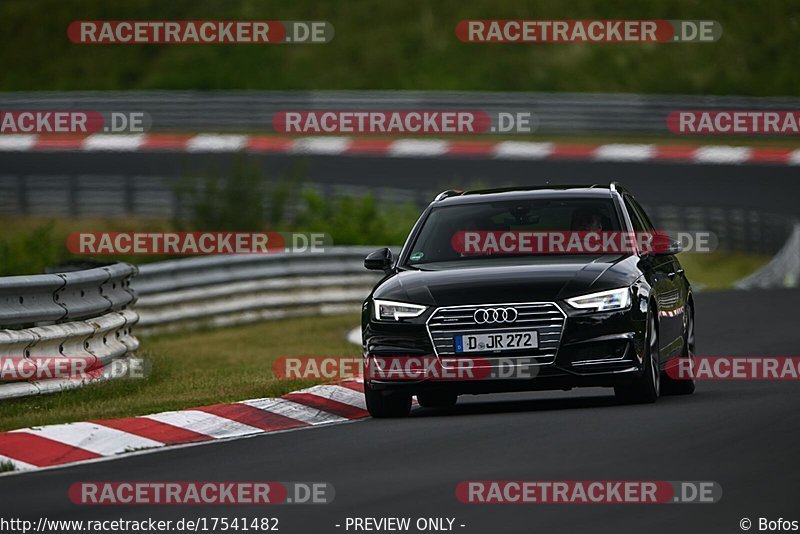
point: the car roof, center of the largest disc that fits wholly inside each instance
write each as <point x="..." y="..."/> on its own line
<point x="522" y="193"/>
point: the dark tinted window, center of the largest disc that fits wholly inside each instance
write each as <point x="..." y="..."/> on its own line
<point x="642" y="214"/>
<point x="636" y="220"/>
<point x="434" y="243"/>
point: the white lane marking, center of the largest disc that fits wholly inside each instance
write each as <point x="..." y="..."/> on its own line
<point x="216" y="143"/>
<point x="354" y="336"/>
<point x="13" y="142"/>
<point x="101" y="459"/>
<point x="339" y="394"/>
<point x="19" y="465"/>
<point x="204" y="423"/>
<point x="93" y="437"/>
<point x="115" y="142"/>
<point x="320" y="145"/>
<point x="418" y="147"/>
<point x="722" y="154"/>
<point x="624" y="152"/>
<point x="522" y="150"/>
<point x="294" y="410"/>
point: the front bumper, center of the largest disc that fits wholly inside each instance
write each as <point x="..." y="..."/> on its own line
<point x="593" y="349"/>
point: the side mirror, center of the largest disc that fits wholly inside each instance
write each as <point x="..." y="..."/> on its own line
<point x="663" y="245"/>
<point x="674" y="247"/>
<point x="380" y="260"/>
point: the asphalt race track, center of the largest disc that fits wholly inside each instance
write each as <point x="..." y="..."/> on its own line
<point x="743" y="435"/>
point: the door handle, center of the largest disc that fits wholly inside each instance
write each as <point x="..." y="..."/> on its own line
<point x="680" y="271"/>
<point x="672" y="275"/>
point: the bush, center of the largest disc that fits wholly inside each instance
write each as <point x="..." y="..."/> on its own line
<point x="248" y="200"/>
<point x="32" y="251"/>
<point x="356" y="221"/>
<point x="231" y="203"/>
<point x="244" y="200"/>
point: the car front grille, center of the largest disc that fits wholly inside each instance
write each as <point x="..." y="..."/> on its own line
<point x="546" y="318"/>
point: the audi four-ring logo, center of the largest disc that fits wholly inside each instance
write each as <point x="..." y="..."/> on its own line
<point x="495" y="315"/>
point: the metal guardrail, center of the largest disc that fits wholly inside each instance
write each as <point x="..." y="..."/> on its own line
<point x="556" y="113"/>
<point x="63" y="317"/>
<point x="733" y="229"/>
<point x="782" y="271"/>
<point x="225" y="290"/>
<point x="28" y="300"/>
<point x="86" y="314"/>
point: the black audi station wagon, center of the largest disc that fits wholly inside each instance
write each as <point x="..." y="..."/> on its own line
<point x="466" y="295"/>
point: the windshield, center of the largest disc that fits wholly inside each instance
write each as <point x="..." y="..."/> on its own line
<point x="495" y="230"/>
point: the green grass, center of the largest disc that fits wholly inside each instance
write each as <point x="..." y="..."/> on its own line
<point x="233" y="364"/>
<point x="31" y="244"/>
<point x="719" y="270"/>
<point x="194" y="369"/>
<point x="6" y="467"/>
<point x="406" y="45"/>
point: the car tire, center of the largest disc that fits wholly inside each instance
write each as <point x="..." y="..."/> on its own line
<point x="671" y="386"/>
<point x="382" y="404"/>
<point x="437" y="399"/>
<point x="646" y="388"/>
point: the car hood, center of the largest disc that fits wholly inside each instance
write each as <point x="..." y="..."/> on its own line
<point x="539" y="279"/>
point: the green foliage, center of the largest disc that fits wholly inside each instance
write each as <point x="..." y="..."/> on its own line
<point x="31" y="251"/>
<point x="357" y="221"/>
<point x="244" y="200"/>
<point x="6" y="467"/>
<point x="248" y="200"/>
<point x="407" y="45"/>
<point x="232" y="202"/>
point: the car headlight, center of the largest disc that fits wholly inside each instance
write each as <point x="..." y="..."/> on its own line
<point x="615" y="299"/>
<point x="387" y="310"/>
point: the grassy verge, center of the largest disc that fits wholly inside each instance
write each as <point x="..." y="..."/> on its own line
<point x="719" y="270"/>
<point x="232" y="364"/>
<point x="194" y="369"/>
<point x="30" y="244"/>
<point x="406" y="45"/>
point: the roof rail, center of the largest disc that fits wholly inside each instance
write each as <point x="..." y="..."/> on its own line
<point x="617" y="187"/>
<point x="449" y="193"/>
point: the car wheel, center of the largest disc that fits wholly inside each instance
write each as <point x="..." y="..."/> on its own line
<point x="386" y="403"/>
<point x="683" y="387"/>
<point x="436" y="399"/>
<point x="646" y="388"/>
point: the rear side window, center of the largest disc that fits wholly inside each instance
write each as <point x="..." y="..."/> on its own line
<point x="636" y="220"/>
<point x="648" y="225"/>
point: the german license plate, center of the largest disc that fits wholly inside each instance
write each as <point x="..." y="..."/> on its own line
<point x="498" y="341"/>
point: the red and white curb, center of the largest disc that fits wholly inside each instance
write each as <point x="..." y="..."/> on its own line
<point x="58" y="445"/>
<point x="402" y="148"/>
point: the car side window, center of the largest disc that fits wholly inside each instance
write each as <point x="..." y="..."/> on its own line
<point x="636" y="221"/>
<point x="648" y="224"/>
<point x="639" y="218"/>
